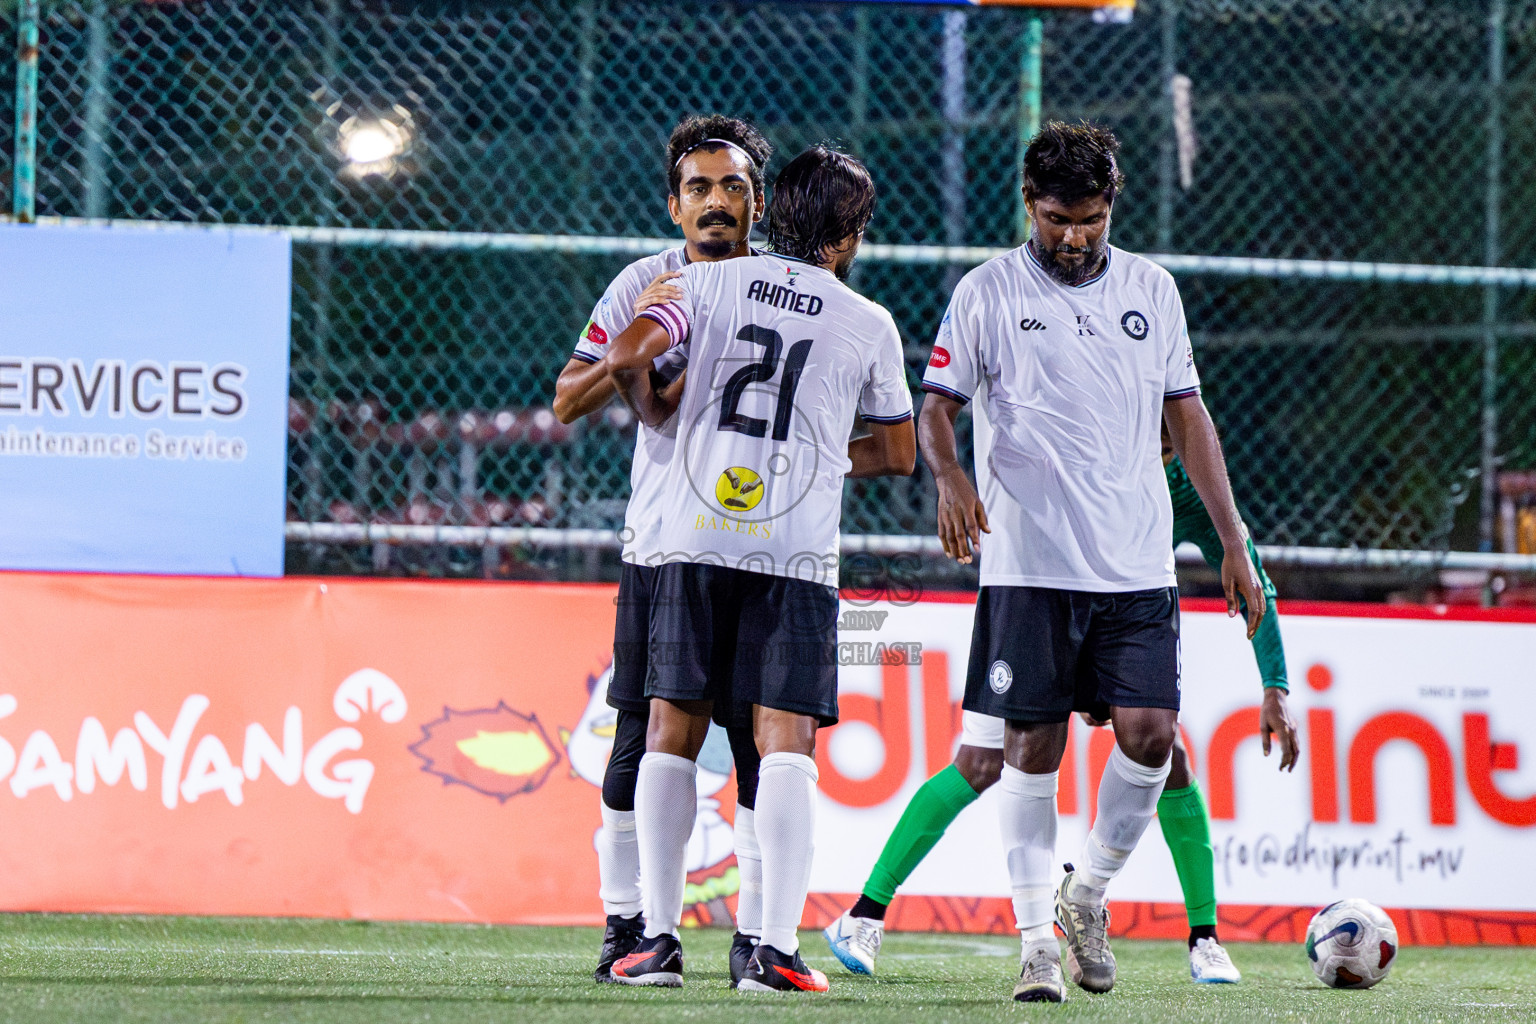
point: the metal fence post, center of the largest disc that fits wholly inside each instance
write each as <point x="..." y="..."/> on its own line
<point x="1493" y="187"/>
<point x="1030" y="66"/>
<point x="24" y="191"/>
<point x="953" y="151"/>
<point x="94" y="174"/>
<point x="586" y="115"/>
<point x="858" y="96"/>
<point x="1167" y="148"/>
<point x="318" y="467"/>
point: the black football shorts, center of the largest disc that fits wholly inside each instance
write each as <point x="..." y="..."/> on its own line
<point x="631" y="639"/>
<point x="1038" y="654"/>
<point x="741" y="638"/>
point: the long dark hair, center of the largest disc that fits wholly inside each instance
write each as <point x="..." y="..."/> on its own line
<point x="821" y="198"/>
<point x="691" y="133"/>
<point x="1072" y="162"/>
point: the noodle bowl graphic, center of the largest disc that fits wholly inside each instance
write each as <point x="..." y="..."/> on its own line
<point x="495" y="751"/>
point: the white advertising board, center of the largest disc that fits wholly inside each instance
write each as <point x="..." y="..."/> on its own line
<point x="1411" y="790"/>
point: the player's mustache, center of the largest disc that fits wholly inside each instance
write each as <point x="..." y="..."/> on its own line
<point x="720" y="217"/>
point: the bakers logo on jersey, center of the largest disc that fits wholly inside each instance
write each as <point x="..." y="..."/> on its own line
<point x="940" y="357"/>
<point x="595" y="334"/>
<point x="739" y="489"/>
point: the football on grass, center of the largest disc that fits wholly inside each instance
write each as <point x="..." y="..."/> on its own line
<point x="1351" y="944"/>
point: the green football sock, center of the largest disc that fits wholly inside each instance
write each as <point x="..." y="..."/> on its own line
<point x="1187" y="829"/>
<point x="937" y="803"/>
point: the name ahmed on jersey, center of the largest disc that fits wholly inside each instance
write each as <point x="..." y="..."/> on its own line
<point x="784" y="296"/>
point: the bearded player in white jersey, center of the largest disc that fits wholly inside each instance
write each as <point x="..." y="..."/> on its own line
<point x="781" y="357"/>
<point x="715" y="193"/>
<point x="1078" y="352"/>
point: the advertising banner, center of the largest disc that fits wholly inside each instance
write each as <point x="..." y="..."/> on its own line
<point x="143" y="400"/>
<point x="1410" y="790"/>
<point x="434" y="751"/>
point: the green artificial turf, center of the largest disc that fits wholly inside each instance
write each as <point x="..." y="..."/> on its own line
<point x="122" y="969"/>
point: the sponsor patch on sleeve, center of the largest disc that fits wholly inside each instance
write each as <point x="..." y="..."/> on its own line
<point x="940" y="357"/>
<point x="595" y="334"/>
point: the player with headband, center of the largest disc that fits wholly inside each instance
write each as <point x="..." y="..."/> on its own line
<point x="782" y="355"/>
<point x="715" y="194"/>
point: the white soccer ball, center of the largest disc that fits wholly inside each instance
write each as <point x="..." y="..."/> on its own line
<point x="1351" y="944"/>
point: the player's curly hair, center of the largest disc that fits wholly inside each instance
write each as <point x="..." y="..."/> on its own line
<point x="1072" y="162"/>
<point x="819" y="199"/>
<point x="691" y="133"/>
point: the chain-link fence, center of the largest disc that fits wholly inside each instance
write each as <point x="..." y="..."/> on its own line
<point x="1355" y="413"/>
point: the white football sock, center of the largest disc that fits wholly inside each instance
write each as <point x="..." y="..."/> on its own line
<point x="618" y="863"/>
<point x="786" y="830"/>
<point x="1027" y="815"/>
<point x="749" y="864"/>
<point x="666" y="802"/>
<point x="1127" y="803"/>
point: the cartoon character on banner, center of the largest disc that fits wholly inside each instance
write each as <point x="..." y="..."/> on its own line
<point x="711" y="858"/>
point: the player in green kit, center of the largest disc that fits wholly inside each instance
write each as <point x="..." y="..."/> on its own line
<point x="855" y="937"/>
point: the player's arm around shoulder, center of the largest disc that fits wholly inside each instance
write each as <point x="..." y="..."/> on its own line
<point x="582" y="388"/>
<point x="584" y="385"/>
<point x="630" y="364"/>
<point x="663" y="316"/>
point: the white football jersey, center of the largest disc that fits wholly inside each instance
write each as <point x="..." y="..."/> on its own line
<point x="653" y="449"/>
<point x="781" y="354"/>
<point x="1068" y="451"/>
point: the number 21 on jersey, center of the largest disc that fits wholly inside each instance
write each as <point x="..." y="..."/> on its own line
<point x="762" y="371"/>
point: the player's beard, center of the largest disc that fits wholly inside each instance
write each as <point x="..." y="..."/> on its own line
<point x="842" y="265"/>
<point x="716" y="248"/>
<point x="1069" y="274"/>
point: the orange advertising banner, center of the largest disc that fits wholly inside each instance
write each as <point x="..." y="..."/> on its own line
<point x="290" y="747"/>
<point x="434" y="751"/>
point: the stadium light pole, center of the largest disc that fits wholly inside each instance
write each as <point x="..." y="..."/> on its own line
<point x="24" y="190"/>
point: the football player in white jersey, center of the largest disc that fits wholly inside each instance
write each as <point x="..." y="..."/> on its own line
<point x="781" y="357"/>
<point x="715" y="193"/>
<point x="1078" y="352"/>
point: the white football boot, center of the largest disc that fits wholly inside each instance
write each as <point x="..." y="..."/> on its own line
<point x="1210" y="965"/>
<point x="1040" y="974"/>
<point x="855" y="941"/>
<point x="1086" y="928"/>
